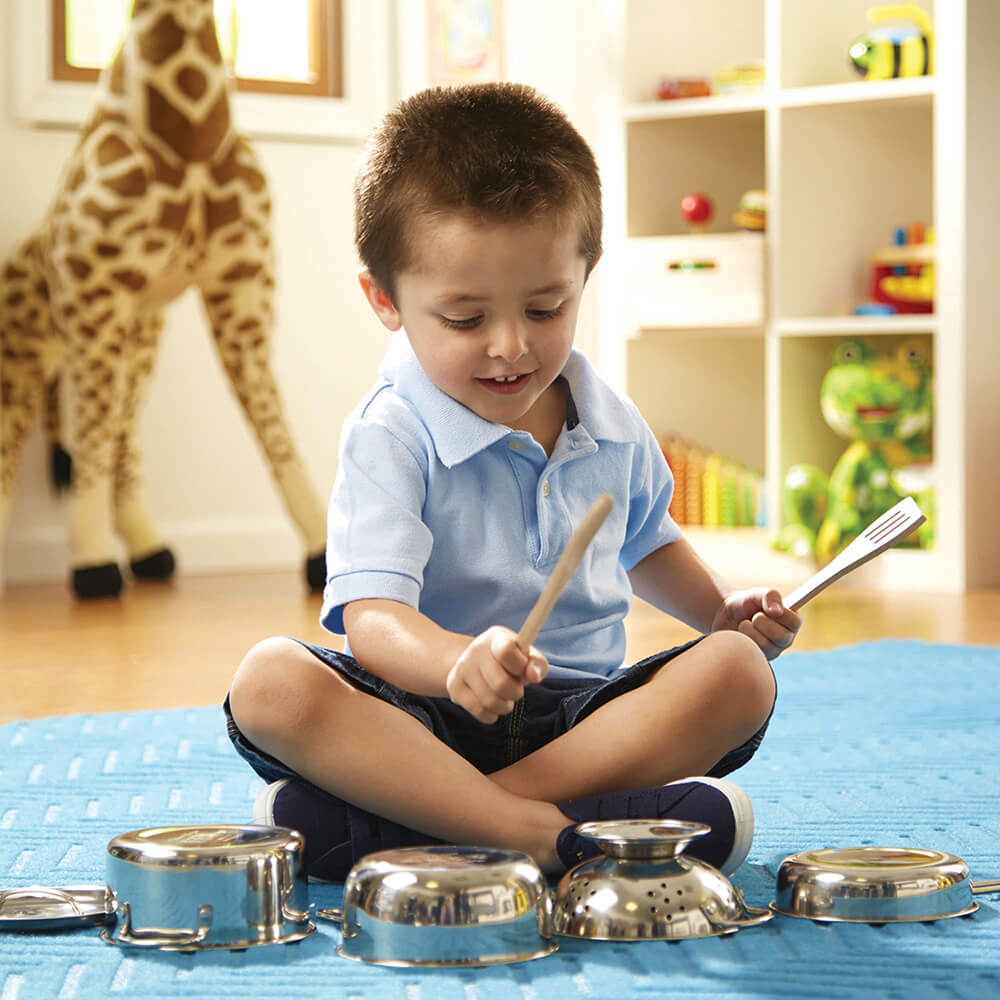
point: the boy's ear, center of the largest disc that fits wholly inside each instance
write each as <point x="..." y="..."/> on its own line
<point x="379" y="300"/>
<point x="590" y="270"/>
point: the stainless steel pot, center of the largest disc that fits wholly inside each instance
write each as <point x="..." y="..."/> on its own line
<point x="445" y="906"/>
<point x="644" y="888"/>
<point x="188" y="888"/>
<point x="876" y="885"/>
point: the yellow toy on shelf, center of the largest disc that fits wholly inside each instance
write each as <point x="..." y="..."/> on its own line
<point x="896" y="49"/>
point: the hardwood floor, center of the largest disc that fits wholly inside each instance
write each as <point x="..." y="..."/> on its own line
<point x="168" y="646"/>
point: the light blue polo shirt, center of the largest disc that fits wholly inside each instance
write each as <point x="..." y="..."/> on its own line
<point x="465" y="519"/>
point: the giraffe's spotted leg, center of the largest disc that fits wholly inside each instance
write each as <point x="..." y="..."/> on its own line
<point x="96" y="364"/>
<point x="21" y="396"/>
<point x="149" y="557"/>
<point x="238" y="302"/>
<point x="31" y="357"/>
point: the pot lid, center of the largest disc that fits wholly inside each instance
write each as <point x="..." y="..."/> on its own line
<point x="202" y="844"/>
<point x="39" y="908"/>
<point x="871" y="862"/>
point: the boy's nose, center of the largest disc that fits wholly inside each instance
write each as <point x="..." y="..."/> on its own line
<point x="508" y="343"/>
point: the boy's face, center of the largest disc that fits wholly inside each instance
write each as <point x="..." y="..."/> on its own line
<point x="490" y="310"/>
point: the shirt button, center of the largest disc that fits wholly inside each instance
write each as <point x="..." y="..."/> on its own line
<point x="517" y="444"/>
<point x="545" y="488"/>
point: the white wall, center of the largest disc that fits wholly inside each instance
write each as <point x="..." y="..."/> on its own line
<point x="209" y="485"/>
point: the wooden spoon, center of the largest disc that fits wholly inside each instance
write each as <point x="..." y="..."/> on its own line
<point x="565" y="568"/>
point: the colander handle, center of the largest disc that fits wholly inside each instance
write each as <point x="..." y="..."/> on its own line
<point x="753" y="915"/>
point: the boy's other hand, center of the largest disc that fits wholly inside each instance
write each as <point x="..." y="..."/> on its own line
<point x="761" y="615"/>
<point x="490" y="675"/>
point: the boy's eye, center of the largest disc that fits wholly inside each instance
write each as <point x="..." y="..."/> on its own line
<point x="543" y="314"/>
<point x="466" y="323"/>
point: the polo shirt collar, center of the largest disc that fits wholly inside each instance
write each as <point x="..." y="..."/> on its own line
<point x="458" y="433"/>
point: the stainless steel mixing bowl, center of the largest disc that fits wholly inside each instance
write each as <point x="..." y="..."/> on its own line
<point x="454" y="906"/>
<point x="644" y="888"/>
<point x="876" y="885"/>
<point x="188" y="888"/>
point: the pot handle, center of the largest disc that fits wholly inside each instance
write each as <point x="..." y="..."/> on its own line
<point x="157" y="937"/>
<point x="989" y="885"/>
<point x="332" y="913"/>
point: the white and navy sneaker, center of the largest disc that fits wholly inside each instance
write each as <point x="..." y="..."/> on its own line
<point x="716" y="802"/>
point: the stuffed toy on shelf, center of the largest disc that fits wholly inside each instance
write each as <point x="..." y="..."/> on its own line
<point x="902" y="46"/>
<point x="160" y="194"/>
<point x="883" y="404"/>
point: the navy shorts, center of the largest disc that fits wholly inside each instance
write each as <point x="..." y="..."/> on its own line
<point x="547" y="710"/>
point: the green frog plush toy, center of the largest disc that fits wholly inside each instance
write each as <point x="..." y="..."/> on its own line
<point x="881" y="402"/>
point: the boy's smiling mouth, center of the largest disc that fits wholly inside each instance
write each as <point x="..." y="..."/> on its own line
<point x="504" y="384"/>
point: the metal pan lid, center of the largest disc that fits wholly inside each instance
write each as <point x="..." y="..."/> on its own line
<point x="203" y="844"/>
<point x="871" y="862"/>
<point x="42" y="908"/>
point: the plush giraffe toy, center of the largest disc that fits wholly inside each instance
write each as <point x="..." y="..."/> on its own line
<point x="159" y="194"/>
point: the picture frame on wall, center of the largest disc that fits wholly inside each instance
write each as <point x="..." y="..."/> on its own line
<point x="464" y="41"/>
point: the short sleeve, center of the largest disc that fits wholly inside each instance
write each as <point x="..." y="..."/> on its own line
<point x="650" y="525"/>
<point x="377" y="542"/>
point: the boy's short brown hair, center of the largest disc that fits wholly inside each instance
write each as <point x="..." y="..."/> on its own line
<point x="499" y="151"/>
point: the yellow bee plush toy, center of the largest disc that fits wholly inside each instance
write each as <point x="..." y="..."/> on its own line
<point x="897" y="49"/>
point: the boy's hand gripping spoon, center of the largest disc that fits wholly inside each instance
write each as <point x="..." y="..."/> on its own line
<point x="565" y="568"/>
<point x="893" y="525"/>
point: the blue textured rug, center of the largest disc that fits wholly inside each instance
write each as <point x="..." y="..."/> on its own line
<point x="887" y="743"/>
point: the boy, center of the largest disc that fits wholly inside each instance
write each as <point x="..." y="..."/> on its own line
<point x="462" y="475"/>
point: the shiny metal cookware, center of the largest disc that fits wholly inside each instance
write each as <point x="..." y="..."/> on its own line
<point x="876" y="885"/>
<point x="445" y="906"/>
<point x="644" y="888"/>
<point x="188" y="888"/>
<point x="44" y="908"/>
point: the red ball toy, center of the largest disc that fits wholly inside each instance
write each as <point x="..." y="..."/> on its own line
<point x="697" y="209"/>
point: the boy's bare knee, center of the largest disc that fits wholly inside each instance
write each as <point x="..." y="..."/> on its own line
<point x="744" y="675"/>
<point x="267" y="696"/>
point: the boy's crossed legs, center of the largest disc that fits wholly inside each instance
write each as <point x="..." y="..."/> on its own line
<point x="710" y="698"/>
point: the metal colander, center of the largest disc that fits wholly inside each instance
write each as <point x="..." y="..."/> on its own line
<point x="643" y="888"/>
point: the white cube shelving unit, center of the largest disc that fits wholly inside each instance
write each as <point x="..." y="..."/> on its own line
<point x="844" y="162"/>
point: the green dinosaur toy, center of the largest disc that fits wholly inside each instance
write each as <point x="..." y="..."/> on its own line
<point x="881" y="402"/>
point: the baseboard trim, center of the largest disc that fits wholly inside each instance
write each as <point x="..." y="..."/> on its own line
<point x="210" y="546"/>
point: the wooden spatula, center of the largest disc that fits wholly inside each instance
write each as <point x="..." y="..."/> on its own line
<point x="565" y="568"/>
<point x="893" y="525"/>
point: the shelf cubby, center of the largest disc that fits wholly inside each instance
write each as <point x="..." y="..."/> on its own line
<point x="816" y="38"/>
<point x="685" y="40"/>
<point x="874" y="161"/>
<point x="722" y="157"/>
<point x="674" y="377"/>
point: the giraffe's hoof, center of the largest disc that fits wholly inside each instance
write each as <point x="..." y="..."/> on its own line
<point x="91" y="582"/>
<point x="158" y="566"/>
<point x="316" y="571"/>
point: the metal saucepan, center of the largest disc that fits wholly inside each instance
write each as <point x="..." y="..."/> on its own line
<point x="876" y="885"/>
<point x="188" y="888"/>
<point x="643" y="888"/>
<point x="444" y="906"/>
